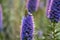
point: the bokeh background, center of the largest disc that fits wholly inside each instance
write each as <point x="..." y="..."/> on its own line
<point x="13" y="11"/>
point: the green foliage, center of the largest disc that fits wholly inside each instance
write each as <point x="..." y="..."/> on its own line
<point x="0" y="1"/>
<point x="12" y="21"/>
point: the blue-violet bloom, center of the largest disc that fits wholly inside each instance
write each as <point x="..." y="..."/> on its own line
<point x="54" y="10"/>
<point x="27" y="27"/>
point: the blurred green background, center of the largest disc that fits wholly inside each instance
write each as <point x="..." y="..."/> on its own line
<point x="13" y="10"/>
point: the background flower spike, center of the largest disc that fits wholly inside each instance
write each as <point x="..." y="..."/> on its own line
<point x="53" y="11"/>
<point x="1" y="21"/>
<point x="32" y="5"/>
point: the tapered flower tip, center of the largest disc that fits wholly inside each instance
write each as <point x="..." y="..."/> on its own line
<point x="53" y="10"/>
<point x="1" y="23"/>
<point x="32" y="5"/>
<point x="27" y="28"/>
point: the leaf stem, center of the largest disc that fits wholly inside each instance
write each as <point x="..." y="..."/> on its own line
<point x="53" y="30"/>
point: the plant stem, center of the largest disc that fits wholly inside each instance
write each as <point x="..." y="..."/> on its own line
<point x="53" y="31"/>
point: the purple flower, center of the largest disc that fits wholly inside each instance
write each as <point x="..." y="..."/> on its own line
<point x="40" y="34"/>
<point x="27" y="28"/>
<point x="1" y="21"/>
<point x="53" y="10"/>
<point x="32" y="5"/>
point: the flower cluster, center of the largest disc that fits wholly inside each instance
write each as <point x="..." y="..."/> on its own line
<point x="54" y="11"/>
<point x="28" y="22"/>
<point x="32" y="5"/>
<point x="27" y="28"/>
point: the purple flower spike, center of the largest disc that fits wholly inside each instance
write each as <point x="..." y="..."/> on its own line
<point x="1" y="23"/>
<point x="53" y="10"/>
<point x="32" y="5"/>
<point x="27" y="28"/>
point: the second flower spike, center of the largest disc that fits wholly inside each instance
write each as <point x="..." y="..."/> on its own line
<point x="53" y="10"/>
<point x="32" y="5"/>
